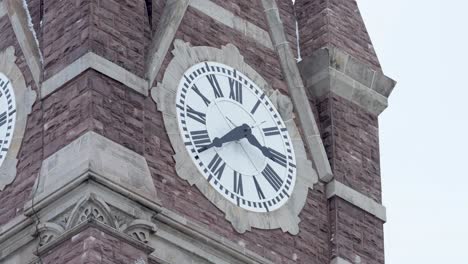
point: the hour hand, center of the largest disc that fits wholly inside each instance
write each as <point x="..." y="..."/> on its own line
<point x="235" y="134"/>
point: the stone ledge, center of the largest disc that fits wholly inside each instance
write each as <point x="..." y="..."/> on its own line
<point x="229" y="19"/>
<point x="357" y="199"/>
<point x="331" y="70"/>
<point x="190" y="228"/>
<point x="14" y="226"/>
<point x="339" y="260"/>
<point x="100" y="64"/>
<point x="93" y="156"/>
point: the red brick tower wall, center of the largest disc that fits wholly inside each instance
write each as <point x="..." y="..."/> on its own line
<point x="350" y="133"/>
<point x="120" y="31"/>
<point x="337" y="23"/>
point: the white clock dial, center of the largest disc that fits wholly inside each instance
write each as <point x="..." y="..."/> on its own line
<point x="7" y="115"/>
<point x="236" y="137"/>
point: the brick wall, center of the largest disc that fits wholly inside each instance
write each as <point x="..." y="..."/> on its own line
<point x="117" y="31"/>
<point x="157" y="11"/>
<point x="34" y="8"/>
<point x="351" y="140"/>
<point x="356" y="235"/>
<point x="251" y="11"/>
<point x="288" y="17"/>
<point x="337" y="23"/>
<point x="93" y="246"/>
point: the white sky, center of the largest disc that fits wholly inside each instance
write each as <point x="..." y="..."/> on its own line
<point x="423" y="45"/>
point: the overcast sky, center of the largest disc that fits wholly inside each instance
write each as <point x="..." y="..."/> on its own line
<point x="423" y="45"/>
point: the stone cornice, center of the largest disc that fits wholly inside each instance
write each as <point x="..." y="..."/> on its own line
<point x="338" y="189"/>
<point x="201" y="234"/>
<point x="331" y="70"/>
<point x="14" y="226"/>
<point x="97" y="63"/>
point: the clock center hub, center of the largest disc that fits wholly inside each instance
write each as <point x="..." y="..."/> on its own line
<point x="222" y="116"/>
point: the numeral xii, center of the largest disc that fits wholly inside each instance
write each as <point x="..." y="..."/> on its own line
<point x="236" y="90"/>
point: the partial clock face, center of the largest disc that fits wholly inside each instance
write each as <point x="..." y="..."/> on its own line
<point x="7" y="115"/>
<point x="236" y="137"/>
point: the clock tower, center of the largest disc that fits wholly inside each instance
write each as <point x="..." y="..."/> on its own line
<point x="189" y="131"/>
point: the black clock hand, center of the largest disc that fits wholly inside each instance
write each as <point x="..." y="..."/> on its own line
<point x="253" y="140"/>
<point x="235" y="134"/>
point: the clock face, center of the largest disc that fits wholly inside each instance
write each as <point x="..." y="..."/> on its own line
<point x="236" y="137"/>
<point x="7" y="115"/>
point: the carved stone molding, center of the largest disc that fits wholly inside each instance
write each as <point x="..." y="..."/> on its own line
<point x="91" y="207"/>
<point x="95" y="208"/>
<point x="287" y="217"/>
<point x="141" y="230"/>
<point x="48" y="232"/>
<point x="25" y="98"/>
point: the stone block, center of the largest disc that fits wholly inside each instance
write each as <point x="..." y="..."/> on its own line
<point x="359" y="72"/>
<point x="383" y="84"/>
<point x="93" y="154"/>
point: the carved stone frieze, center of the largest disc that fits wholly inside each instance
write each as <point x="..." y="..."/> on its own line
<point x="92" y="206"/>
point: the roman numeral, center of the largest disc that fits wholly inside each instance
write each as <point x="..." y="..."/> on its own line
<point x="200" y="139"/>
<point x="260" y="194"/>
<point x="238" y="188"/>
<point x="236" y="90"/>
<point x="217" y="166"/>
<point x="4" y="84"/>
<point x="215" y="85"/>
<point x="277" y="157"/>
<point x="272" y="177"/>
<point x="195" y="115"/>
<point x="271" y="131"/>
<point x="254" y="109"/>
<point x="195" y="89"/>
<point x="3" y="118"/>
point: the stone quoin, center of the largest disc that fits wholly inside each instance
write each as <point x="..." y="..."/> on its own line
<point x="189" y="131"/>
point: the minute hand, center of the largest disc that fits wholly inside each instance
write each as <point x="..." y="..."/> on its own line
<point x="266" y="152"/>
<point x="235" y="134"/>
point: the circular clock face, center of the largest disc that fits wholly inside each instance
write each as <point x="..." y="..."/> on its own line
<point x="7" y="115"/>
<point x="236" y="137"/>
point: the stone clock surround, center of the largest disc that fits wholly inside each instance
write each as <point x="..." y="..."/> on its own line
<point x="286" y="217"/>
<point x="25" y="97"/>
